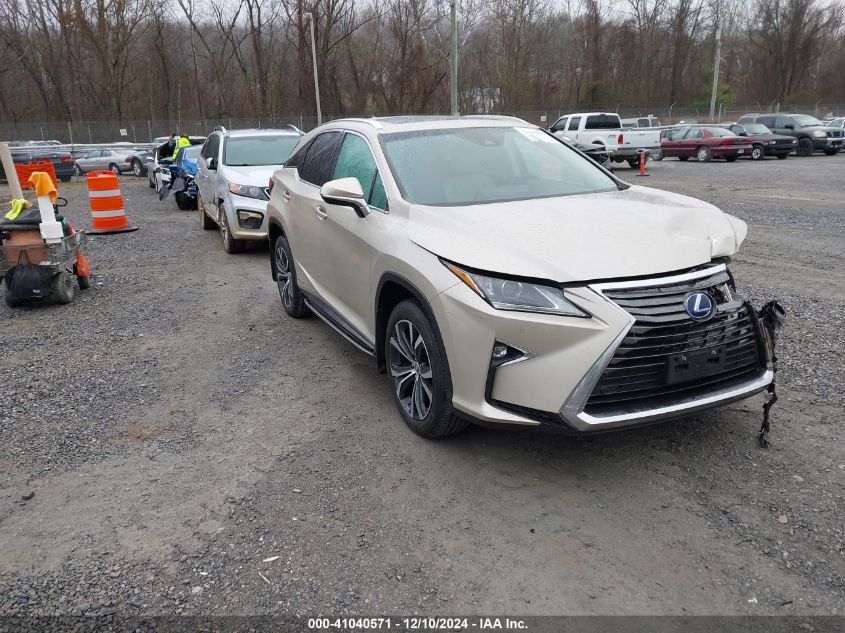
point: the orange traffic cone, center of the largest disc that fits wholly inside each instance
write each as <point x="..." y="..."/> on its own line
<point x="107" y="213"/>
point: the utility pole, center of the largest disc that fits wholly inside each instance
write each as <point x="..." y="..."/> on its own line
<point x="453" y="60"/>
<point x="716" y="61"/>
<point x="310" y="19"/>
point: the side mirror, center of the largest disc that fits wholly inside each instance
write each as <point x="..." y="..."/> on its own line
<point x="346" y="192"/>
<point x="212" y="164"/>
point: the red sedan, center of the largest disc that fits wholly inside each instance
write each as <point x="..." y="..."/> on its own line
<point x="703" y="143"/>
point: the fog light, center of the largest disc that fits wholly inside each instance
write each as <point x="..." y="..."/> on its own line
<point x="250" y="219"/>
<point x="505" y="354"/>
<point x="500" y="350"/>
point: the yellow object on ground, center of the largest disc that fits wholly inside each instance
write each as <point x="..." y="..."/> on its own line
<point x="43" y="185"/>
<point x="17" y="206"/>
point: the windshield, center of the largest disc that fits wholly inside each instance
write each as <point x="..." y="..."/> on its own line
<point x="461" y="166"/>
<point x="835" y="123"/>
<point x="256" y="151"/>
<point x="757" y="128"/>
<point x="803" y="120"/>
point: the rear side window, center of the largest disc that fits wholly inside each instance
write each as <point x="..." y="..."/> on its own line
<point x="318" y="164"/>
<point x="355" y="160"/>
<point x="768" y="121"/>
<point x="602" y="122"/>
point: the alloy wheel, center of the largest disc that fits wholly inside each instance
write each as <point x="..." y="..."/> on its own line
<point x="136" y="168"/>
<point x="757" y="153"/>
<point x="224" y="228"/>
<point x="410" y="370"/>
<point x="283" y="276"/>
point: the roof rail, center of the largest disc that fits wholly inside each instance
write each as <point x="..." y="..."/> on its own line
<point x="220" y="128"/>
<point x="376" y="124"/>
<point x="289" y="126"/>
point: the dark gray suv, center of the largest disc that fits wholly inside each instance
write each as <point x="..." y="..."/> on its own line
<point x="812" y="134"/>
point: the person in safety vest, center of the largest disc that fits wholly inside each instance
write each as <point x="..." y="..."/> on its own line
<point x="183" y="141"/>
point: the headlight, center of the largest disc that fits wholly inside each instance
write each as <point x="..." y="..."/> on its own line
<point x="772" y="142"/>
<point x="248" y="191"/>
<point x="820" y="134"/>
<point x="513" y="294"/>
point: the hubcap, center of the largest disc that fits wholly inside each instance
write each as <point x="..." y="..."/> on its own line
<point x="757" y="152"/>
<point x="702" y="154"/>
<point x="410" y="370"/>
<point x="283" y="277"/>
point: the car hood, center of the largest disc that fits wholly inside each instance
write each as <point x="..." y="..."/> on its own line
<point x="253" y="176"/>
<point x="638" y="231"/>
<point x="813" y="128"/>
<point x="773" y="137"/>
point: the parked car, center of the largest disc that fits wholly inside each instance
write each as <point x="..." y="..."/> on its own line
<point x="811" y="134"/>
<point x="41" y="152"/>
<point x="837" y="123"/>
<point x="599" y="153"/>
<point x="117" y="161"/>
<point x="703" y="143"/>
<point x="159" y="158"/>
<point x="764" y="141"/>
<point x="233" y="174"/>
<point x="462" y="255"/>
<point x="643" y="121"/>
<point x="598" y="128"/>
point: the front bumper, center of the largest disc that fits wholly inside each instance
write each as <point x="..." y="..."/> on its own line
<point x="246" y="230"/>
<point x="565" y="359"/>
<point x="827" y="143"/>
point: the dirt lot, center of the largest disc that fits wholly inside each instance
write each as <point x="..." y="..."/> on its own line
<point x="192" y="450"/>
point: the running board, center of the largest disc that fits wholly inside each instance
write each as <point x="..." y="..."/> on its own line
<point x="331" y="318"/>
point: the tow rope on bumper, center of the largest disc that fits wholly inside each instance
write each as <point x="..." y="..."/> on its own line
<point x="771" y="317"/>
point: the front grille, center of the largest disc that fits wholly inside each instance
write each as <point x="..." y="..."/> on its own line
<point x="835" y="133"/>
<point x="667" y="357"/>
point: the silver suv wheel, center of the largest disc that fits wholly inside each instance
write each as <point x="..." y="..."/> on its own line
<point x="410" y="369"/>
<point x="283" y="276"/>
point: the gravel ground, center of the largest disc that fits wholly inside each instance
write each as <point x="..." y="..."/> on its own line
<point x="192" y="450"/>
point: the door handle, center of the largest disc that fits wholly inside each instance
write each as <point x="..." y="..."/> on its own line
<point x="322" y="214"/>
<point x="286" y="195"/>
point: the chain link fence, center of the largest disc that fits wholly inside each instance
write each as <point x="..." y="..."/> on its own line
<point x="146" y="130"/>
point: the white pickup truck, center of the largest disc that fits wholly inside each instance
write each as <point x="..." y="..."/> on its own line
<point x="623" y="144"/>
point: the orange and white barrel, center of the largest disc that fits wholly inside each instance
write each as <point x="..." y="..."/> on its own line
<point x="107" y="212"/>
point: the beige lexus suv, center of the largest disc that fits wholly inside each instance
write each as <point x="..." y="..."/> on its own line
<point x="499" y="276"/>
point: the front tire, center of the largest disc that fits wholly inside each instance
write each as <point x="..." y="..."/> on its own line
<point x="230" y="244"/>
<point x="758" y="153"/>
<point x="62" y="287"/>
<point x="137" y="168"/>
<point x="284" y="271"/>
<point x="805" y="147"/>
<point x="418" y="373"/>
<point x="113" y="168"/>
<point x="702" y="154"/>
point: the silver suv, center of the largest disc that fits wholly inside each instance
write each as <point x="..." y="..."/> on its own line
<point x="498" y="275"/>
<point x="233" y="173"/>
